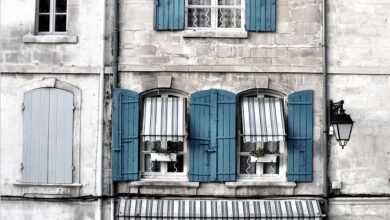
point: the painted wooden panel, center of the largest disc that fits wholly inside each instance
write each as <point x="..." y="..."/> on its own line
<point x="300" y="136"/>
<point x="169" y="15"/>
<point x="260" y="15"/>
<point x="125" y="135"/>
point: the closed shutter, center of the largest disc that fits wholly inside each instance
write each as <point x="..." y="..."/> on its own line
<point x="260" y="15"/>
<point x="169" y="15"/>
<point x="212" y="136"/>
<point x="125" y="130"/>
<point x="300" y="136"/>
<point x="226" y="136"/>
<point x="48" y="136"/>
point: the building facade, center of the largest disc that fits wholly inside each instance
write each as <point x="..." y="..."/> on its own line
<point x="216" y="108"/>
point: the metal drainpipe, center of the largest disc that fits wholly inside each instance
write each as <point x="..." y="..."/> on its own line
<point x="100" y="142"/>
<point x="325" y="101"/>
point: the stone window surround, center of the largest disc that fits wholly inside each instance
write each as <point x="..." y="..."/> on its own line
<point x="59" y="189"/>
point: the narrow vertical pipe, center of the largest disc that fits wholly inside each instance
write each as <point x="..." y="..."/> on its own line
<point x="325" y="96"/>
<point x="115" y="44"/>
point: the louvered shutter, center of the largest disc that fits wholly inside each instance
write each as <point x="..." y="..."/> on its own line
<point x="226" y="136"/>
<point x="300" y="136"/>
<point x="202" y="156"/>
<point x="125" y="127"/>
<point x="260" y="15"/>
<point x="169" y="15"/>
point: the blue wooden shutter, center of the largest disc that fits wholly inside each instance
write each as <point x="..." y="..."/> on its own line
<point x="125" y="127"/>
<point x="202" y="157"/>
<point x="260" y="15"/>
<point x="226" y="136"/>
<point x="35" y="135"/>
<point x="169" y="15"/>
<point x="300" y="136"/>
<point x="60" y="155"/>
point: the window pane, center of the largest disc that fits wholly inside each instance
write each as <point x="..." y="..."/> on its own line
<point x="60" y="23"/>
<point x="271" y="168"/>
<point x="246" y="167"/>
<point x="229" y="18"/>
<point x="43" y="23"/>
<point x="199" y="2"/>
<point x="176" y="166"/>
<point x="175" y="146"/>
<point x="271" y="147"/>
<point x="151" y="166"/>
<point x="248" y="147"/>
<point x="44" y="6"/>
<point x="199" y="17"/>
<point x="229" y="2"/>
<point x="61" y="6"/>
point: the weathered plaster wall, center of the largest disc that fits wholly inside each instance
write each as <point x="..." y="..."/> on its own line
<point x="236" y="82"/>
<point x="359" y="33"/>
<point x="11" y="146"/>
<point x="363" y="167"/>
<point x="359" y="209"/>
<point x="295" y="46"/>
<point x="17" y="21"/>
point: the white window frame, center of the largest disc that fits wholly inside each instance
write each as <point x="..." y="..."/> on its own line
<point x="214" y="16"/>
<point x="260" y="176"/>
<point x="164" y="174"/>
<point x="52" y="18"/>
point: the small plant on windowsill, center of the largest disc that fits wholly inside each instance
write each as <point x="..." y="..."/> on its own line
<point x="259" y="152"/>
<point x="163" y="155"/>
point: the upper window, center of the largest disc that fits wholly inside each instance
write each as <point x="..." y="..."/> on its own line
<point x="52" y="16"/>
<point x="164" y="146"/>
<point x="215" y="14"/>
<point x="262" y="149"/>
<point x="48" y="136"/>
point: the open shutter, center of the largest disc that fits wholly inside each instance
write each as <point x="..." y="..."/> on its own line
<point x="125" y="118"/>
<point x="300" y="136"/>
<point x="169" y="15"/>
<point x="226" y="136"/>
<point x="202" y="156"/>
<point x="260" y="15"/>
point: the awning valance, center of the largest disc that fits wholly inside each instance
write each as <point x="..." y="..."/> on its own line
<point x="218" y="209"/>
<point x="164" y="118"/>
<point x="262" y="119"/>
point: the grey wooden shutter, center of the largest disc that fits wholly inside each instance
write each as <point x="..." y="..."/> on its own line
<point x="35" y="136"/>
<point x="47" y="136"/>
<point x="60" y="137"/>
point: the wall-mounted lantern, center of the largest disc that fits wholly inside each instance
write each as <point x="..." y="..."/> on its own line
<point x="341" y="122"/>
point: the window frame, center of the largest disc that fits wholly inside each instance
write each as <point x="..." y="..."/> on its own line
<point x="214" y="17"/>
<point x="52" y="18"/>
<point x="283" y="153"/>
<point x="164" y="174"/>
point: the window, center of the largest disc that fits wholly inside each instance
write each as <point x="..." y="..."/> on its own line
<point x="262" y="150"/>
<point x="215" y="14"/>
<point x="48" y="136"/>
<point x="163" y="144"/>
<point x="52" y="16"/>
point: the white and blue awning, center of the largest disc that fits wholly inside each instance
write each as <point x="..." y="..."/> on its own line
<point x="262" y="119"/>
<point x="127" y="209"/>
<point x="164" y="118"/>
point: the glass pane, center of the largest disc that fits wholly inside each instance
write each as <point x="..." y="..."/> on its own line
<point x="199" y="17"/>
<point x="229" y="18"/>
<point x="246" y="167"/>
<point x="229" y="2"/>
<point x="44" y="6"/>
<point x="155" y="146"/>
<point x="176" y="166"/>
<point x="271" y="168"/>
<point x="271" y="147"/>
<point x="151" y="166"/>
<point x="199" y="2"/>
<point x="175" y="146"/>
<point x="60" y="23"/>
<point x="43" y="23"/>
<point x="61" y="6"/>
<point x="248" y="147"/>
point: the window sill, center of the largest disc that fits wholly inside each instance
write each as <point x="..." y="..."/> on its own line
<point x="253" y="183"/>
<point x="50" y="39"/>
<point x="215" y="34"/>
<point x="173" y="183"/>
<point x="70" y="185"/>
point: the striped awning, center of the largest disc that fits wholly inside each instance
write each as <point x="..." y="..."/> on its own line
<point x="164" y="118"/>
<point x="262" y="119"/>
<point x="218" y="209"/>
